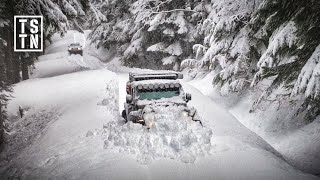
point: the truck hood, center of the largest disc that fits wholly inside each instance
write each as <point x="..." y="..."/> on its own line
<point x="178" y="100"/>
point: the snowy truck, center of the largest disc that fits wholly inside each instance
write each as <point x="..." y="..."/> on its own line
<point x="147" y="92"/>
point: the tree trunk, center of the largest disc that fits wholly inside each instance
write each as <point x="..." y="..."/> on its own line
<point x="44" y="43"/>
<point x="1" y="126"/>
<point x="24" y="69"/>
<point x="9" y="58"/>
<point x="16" y="70"/>
<point x="177" y="65"/>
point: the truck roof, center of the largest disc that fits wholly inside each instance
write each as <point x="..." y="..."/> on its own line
<point x="155" y="81"/>
<point x="159" y="75"/>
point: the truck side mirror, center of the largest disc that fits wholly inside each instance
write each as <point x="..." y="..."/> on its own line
<point x="188" y="97"/>
<point x="129" y="99"/>
<point x="179" y="76"/>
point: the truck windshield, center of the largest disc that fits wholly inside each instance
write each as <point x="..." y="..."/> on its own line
<point x="149" y="95"/>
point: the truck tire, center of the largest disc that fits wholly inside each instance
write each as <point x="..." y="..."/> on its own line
<point x="124" y="115"/>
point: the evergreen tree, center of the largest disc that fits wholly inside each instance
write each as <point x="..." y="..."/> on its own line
<point x="248" y="41"/>
<point x="113" y="23"/>
<point x="290" y="31"/>
<point x="5" y="74"/>
<point x="226" y="48"/>
<point x="153" y="33"/>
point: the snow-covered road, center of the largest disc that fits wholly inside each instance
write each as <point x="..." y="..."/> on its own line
<point x="72" y="146"/>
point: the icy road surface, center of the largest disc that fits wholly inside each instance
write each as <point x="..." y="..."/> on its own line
<point x="88" y="97"/>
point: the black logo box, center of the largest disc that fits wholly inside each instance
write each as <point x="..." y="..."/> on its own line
<point x="27" y="31"/>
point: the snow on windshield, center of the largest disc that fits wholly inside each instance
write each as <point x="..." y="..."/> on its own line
<point x="75" y="44"/>
<point x="149" y="95"/>
<point x="172" y="136"/>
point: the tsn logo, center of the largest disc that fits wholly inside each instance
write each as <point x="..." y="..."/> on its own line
<point x="28" y="33"/>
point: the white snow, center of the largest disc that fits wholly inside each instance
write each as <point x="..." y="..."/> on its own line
<point x="169" y="60"/>
<point x="165" y="101"/>
<point x="309" y="77"/>
<point x="156" y="81"/>
<point x="157" y="47"/>
<point x="77" y="144"/>
<point x="289" y="136"/>
<point x="156" y="21"/>
<point x="172" y="136"/>
<point x="283" y="37"/>
<point x="174" y="49"/>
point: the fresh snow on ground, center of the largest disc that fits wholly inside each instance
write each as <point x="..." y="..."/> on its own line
<point x="295" y="140"/>
<point x="88" y="140"/>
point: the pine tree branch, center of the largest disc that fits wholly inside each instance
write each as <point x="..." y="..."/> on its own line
<point x="189" y="10"/>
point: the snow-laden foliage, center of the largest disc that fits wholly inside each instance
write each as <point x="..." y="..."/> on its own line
<point x="5" y="74"/>
<point x="56" y="14"/>
<point x="5" y="87"/>
<point x="98" y="16"/>
<point x="192" y="63"/>
<point x="157" y="47"/>
<point x="112" y="24"/>
<point x="282" y="38"/>
<point x="308" y="81"/>
<point x="248" y="41"/>
<point x="226" y="45"/>
<point x="169" y="60"/>
<point x="286" y="36"/>
<point x="164" y="30"/>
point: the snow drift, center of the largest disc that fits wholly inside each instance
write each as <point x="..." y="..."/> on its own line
<point x="171" y="136"/>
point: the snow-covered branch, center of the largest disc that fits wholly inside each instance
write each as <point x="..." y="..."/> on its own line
<point x="174" y="10"/>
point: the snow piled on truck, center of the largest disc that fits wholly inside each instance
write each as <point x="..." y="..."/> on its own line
<point x="172" y="136"/>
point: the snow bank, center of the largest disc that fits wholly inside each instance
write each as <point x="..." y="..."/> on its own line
<point x="63" y="90"/>
<point x="63" y="109"/>
<point x="285" y="132"/>
<point x="171" y="136"/>
<point x="276" y="122"/>
<point x="21" y="132"/>
<point x="63" y="63"/>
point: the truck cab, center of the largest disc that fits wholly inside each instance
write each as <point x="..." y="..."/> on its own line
<point x="159" y="89"/>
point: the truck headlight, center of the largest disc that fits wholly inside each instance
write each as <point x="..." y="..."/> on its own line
<point x="184" y="114"/>
<point x="148" y="116"/>
<point x="148" y="119"/>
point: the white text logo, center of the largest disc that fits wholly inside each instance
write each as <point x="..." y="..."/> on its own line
<point x="28" y="33"/>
